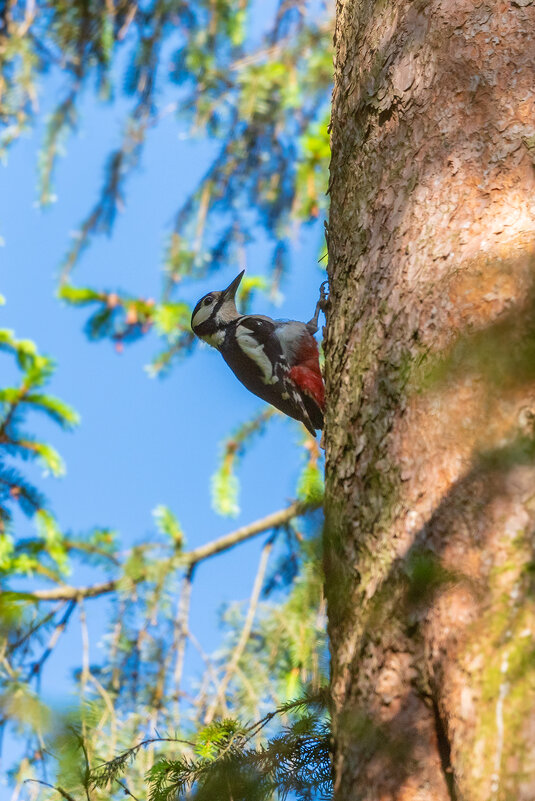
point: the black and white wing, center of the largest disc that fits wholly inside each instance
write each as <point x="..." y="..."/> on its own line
<point x="254" y="353"/>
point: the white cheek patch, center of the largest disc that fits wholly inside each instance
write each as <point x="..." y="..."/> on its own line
<point x="202" y="315"/>
<point x="255" y="351"/>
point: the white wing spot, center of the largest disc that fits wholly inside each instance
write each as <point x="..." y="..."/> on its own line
<point x="255" y="351"/>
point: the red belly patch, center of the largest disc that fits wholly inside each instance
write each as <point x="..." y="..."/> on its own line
<point x="309" y="382"/>
<point x="306" y="374"/>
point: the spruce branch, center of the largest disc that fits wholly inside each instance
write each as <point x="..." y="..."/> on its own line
<point x="110" y="771"/>
<point x="296" y="761"/>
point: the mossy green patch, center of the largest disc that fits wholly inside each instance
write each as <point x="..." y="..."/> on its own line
<point x="503" y="642"/>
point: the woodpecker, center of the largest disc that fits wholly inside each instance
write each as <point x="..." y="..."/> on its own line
<point x="277" y="360"/>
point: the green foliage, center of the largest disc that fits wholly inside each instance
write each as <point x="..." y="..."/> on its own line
<point x="22" y="706"/>
<point x="225" y="491"/>
<point x="257" y="100"/>
<point x="266" y="106"/>
<point x="168" y="525"/>
<point x="50" y="458"/>
<point x="284" y="653"/>
<point x="295" y="762"/>
<point x="311" y="485"/>
<point x="78" y="296"/>
<point x="171" y="318"/>
<point x="16" y="402"/>
<point x="227" y="766"/>
<point x="287" y="647"/>
<point x="312" y="169"/>
<point x="60" y="412"/>
<point x="248" y="285"/>
<point x="49" y="531"/>
<point x="216" y="737"/>
<point x="225" y="483"/>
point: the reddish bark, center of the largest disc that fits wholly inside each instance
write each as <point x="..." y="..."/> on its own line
<point x="430" y="484"/>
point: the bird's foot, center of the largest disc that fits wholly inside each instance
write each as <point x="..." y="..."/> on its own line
<point x="324" y="296"/>
<point x="321" y="305"/>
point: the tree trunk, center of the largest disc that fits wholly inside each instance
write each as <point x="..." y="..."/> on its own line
<point x="430" y="354"/>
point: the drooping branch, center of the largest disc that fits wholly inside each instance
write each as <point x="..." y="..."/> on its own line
<point x="56" y="634"/>
<point x="245" y="634"/>
<point x="63" y="793"/>
<point x="181" y="634"/>
<point x="188" y="559"/>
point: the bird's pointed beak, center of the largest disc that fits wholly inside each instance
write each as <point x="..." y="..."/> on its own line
<point x="230" y="291"/>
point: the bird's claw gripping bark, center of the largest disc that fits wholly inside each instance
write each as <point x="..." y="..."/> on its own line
<point x="324" y="296"/>
<point x="321" y="305"/>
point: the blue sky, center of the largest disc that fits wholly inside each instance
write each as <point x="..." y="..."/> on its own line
<point x="142" y="442"/>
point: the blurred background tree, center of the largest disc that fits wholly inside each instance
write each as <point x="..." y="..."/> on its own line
<point x="254" y="81"/>
<point x="265" y="100"/>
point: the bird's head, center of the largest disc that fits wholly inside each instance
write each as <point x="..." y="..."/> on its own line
<point x="215" y="310"/>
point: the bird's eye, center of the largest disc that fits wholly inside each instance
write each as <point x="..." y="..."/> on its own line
<point x="208" y="300"/>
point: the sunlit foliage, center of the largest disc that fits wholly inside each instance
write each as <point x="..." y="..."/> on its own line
<point x="273" y="650"/>
<point x="32" y="374"/>
<point x="241" y="759"/>
<point x="264" y="101"/>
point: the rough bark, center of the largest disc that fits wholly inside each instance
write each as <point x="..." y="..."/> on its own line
<point x="430" y="354"/>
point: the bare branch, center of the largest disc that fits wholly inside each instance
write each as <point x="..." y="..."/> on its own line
<point x="66" y="593"/>
<point x="190" y="558"/>
<point x="274" y="520"/>
<point x="60" y="790"/>
<point x="126" y="790"/>
<point x="246" y="631"/>
<point x="58" y="630"/>
<point x="42" y="622"/>
<point x="181" y="635"/>
<point x="83" y="686"/>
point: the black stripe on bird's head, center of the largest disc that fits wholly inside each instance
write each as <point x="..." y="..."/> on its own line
<point x="215" y="310"/>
